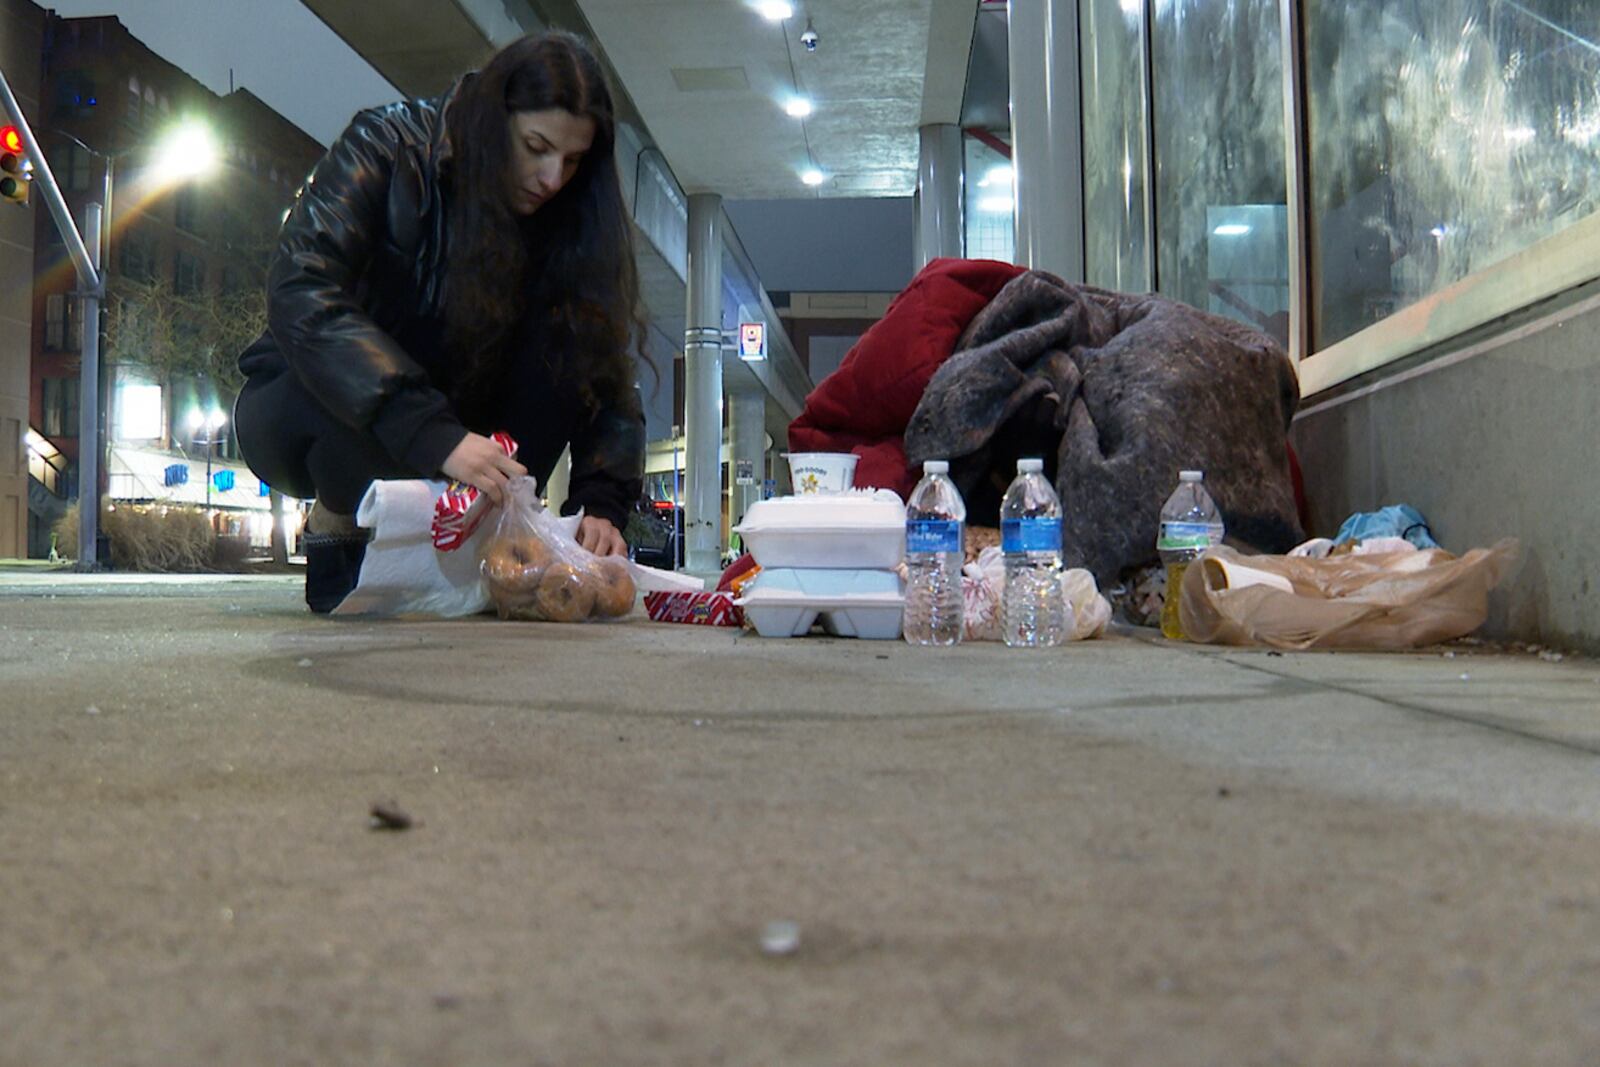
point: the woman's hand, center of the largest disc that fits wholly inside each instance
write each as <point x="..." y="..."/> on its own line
<point x="479" y="462"/>
<point x="600" y="537"/>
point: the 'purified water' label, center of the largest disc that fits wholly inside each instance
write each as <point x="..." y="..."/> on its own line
<point x="933" y="535"/>
<point x="1030" y="535"/>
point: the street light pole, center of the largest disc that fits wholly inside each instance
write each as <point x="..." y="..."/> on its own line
<point x="89" y="403"/>
<point x="212" y="424"/>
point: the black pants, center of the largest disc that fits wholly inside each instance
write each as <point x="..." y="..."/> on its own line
<point x="291" y="442"/>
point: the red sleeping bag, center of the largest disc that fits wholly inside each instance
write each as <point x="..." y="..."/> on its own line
<point x="864" y="406"/>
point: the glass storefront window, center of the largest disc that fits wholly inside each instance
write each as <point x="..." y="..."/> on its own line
<point x="1445" y="136"/>
<point x="1221" y="214"/>
<point x="1115" y="146"/>
<point x="989" y="191"/>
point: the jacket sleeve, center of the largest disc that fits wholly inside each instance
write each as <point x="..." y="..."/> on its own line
<point x="363" y="377"/>
<point x="608" y="462"/>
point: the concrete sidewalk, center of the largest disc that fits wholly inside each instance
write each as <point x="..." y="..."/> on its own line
<point x="1123" y="852"/>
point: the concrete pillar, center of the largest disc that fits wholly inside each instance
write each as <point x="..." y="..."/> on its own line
<point x="702" y="415"/>
<point x="1047" y="136"/>
<point x="748" y="435"/>
<point x="938" y="229"/>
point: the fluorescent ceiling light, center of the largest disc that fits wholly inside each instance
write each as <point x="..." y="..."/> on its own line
<point x="995" y="204"/>
<point x="1231" y="229"/>
<point x="776" y="10"/>
<point x="798" y="107"/>
<point x="812" y="176"/>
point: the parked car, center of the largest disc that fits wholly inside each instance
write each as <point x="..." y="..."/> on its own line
<point x="655" y="534"/>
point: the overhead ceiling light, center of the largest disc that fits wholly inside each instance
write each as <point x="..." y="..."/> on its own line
<point x="1231" y="229"/>
<point x="999" y="174"/>
<point x="798" y="107"/>
<point x="996" y="205"/>
<point x="1132" y="7"/>
<point x="812" y="176"/>
<point x="776" y="10"/>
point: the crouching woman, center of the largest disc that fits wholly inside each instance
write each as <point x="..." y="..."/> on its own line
<point x="453" y="267"/>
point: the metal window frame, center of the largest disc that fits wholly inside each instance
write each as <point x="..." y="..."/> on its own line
<point x="1297" y="175"/>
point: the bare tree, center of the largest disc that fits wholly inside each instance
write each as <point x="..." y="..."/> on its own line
<point x="189" y="336"/>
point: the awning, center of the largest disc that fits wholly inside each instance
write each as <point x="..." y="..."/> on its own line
<point x="141" y="474"/>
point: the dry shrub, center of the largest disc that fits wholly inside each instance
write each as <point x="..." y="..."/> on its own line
<point x="154" y="537"/>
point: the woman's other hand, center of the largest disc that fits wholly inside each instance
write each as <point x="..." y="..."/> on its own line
<point x="479" y="462"/>
<point x="600" y="537"/>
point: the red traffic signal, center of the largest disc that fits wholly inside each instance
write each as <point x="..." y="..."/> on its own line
<point x="14" y="179"/>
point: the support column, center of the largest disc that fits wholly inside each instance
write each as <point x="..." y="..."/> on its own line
<point x="1047" y="136"/>
<point x="748" y="435"/>
<point x="938" y="230"/>
<point x="702" y="415"/>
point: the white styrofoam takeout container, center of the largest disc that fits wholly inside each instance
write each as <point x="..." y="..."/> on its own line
<point x="860" y="528"/>
<point x="786" y="602"/>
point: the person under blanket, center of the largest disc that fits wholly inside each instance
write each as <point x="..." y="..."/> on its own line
<point x="453" y="267"/>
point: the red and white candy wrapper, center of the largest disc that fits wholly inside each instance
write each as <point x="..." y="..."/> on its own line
<point x="701" y="609"/>
<point x="460" y="508"/>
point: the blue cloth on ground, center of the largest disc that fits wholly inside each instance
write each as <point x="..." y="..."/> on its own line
<point x="1397" y="520"/>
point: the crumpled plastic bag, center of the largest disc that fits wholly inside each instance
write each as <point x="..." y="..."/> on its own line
<point x="535" y="568"/>
<point x="983" y="579"/>
<point x="1396" y="520"/>
<point x="404" y="573"/>
<point x="1323" y="547"/>
<point x="1381" y="600"/>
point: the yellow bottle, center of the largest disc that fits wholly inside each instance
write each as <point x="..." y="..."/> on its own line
<point x="1171" y="624"/>
<point x="1190" y="524"/>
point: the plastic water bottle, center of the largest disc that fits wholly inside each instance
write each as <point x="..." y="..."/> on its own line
<point x="1190" y="524"/>
<point x="1032" y="609"/>
<point x="935" y="519"/>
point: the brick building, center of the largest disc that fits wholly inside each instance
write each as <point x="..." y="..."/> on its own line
<point x="21" y="34"/>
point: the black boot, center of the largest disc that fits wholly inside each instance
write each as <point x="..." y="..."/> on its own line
<point x="335" y="547"/>
<point x="333" y="563"/>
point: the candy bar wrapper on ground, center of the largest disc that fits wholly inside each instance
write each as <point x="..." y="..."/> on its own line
<point x="700" y="609"/>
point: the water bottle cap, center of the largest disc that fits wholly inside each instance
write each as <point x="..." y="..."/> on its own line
<point x="1191" y="476"/>
<point x="1029" y="466"/>
<point x="936" y="466"/>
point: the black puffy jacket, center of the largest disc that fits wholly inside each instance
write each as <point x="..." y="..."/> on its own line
<point x="355" y="309"/>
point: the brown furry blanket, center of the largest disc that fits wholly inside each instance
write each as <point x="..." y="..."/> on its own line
<point x="1118" y="393"/>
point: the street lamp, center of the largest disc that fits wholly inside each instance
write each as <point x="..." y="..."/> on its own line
<point x="184" y="152"/>
<point x="187" y="151"/>
<point x="212" y="423"/>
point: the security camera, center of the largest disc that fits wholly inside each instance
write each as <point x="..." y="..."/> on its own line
<point x="809" y="38"/>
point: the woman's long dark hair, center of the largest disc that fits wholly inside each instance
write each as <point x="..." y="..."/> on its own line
<point x="564" y="277"/>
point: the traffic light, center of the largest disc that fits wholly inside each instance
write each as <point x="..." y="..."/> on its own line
<point x="14" y="169"/>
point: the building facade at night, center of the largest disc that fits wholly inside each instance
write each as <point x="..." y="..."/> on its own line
<point x="185" y="263"/>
